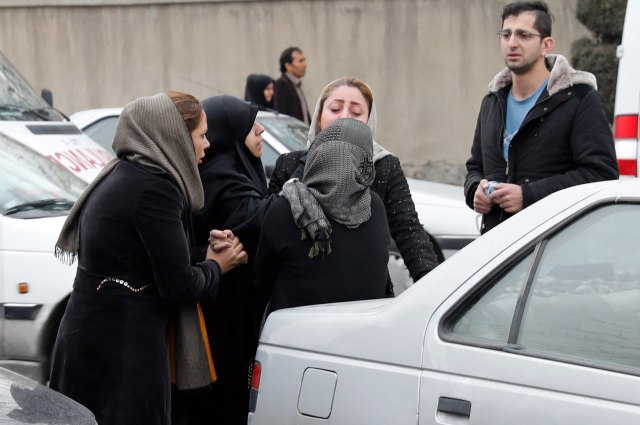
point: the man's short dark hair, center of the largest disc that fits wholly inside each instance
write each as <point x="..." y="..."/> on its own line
<point x="541" y="10"/>
<point x="287" y="57"/>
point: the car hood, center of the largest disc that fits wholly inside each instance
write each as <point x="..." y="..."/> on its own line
<point x="434" y="193"/>
<point x="440" y="204"/>
<point x="24" y="401"/>
<point x="61" y="142"/>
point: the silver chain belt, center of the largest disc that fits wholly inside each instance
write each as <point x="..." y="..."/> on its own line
<point x="121" y="282"/>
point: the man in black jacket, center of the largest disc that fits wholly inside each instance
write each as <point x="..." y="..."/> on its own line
<point x="289" y="98"/>
<point x="541" y="128"/>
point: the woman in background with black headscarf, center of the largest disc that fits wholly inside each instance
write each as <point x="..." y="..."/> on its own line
<point x="235" y="188"/>
<point x="259" y="91"/>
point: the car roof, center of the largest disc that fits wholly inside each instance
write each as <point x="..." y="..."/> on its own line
<point x="89" y="116"/>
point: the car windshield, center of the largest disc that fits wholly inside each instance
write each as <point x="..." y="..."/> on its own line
<point x="291" y="132"/>
<point x="32" y="186"/>
<point x="18" y="100"/>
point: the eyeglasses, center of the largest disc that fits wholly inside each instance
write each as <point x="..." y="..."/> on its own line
<point x="522" y="35"/>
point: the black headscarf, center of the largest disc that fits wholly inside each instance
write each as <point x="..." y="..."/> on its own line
<point x="254" y="90"/>
<point x="233" y="179"/>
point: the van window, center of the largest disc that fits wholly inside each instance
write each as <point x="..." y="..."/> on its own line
<point x="18" y="100"/>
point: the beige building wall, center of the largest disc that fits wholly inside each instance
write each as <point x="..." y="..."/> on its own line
<point x="428" y="61"/>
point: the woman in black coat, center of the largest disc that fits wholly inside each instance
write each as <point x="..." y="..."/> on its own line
<point x="130" y="232"/>
<point x="352" y="98"/>
<point x="235" y="192"/>
<point x="343" y="251"/>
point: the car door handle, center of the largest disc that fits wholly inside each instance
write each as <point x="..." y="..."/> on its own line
<point x="454" y="406"/>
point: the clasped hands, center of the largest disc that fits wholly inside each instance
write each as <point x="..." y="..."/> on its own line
<point x="507" y="196"/>
<point x="226" y="249"/>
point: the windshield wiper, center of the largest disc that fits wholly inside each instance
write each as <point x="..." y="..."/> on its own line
<point x="41" y="112"/>
<point x="54" y="204"/>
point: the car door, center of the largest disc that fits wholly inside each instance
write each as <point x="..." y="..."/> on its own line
<point x="546" y="333"/>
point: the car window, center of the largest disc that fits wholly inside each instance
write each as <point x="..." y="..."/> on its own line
<point x="102" y="132"/>
<point x="269" y="157"/>
<point x="18" y="100"/>
<point x="489" y="317"/>
<point x="579" y="302"/>
<point x="289" y="131"/>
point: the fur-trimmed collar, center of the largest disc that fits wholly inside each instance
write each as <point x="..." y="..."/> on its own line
<point x="562" y="76"/>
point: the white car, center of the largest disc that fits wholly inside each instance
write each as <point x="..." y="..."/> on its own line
<point x="536" y="322"/>
<point x="45" y="163"/>
<point x="441" y="207"/>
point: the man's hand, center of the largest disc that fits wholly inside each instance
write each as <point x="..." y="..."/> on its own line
<point x="508" y="196"/>
<point x="481" y="202"/>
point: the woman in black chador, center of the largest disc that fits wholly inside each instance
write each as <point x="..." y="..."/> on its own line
<point x="234" y="198"/>
<point x="129" y="231"/>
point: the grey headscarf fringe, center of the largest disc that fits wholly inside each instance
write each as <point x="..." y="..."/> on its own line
<point x="151" y="132"/>
<point x="314" y="128"/>
<point x="336" y="181"/>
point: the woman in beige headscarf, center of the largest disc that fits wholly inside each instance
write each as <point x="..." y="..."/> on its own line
<point x="130" y="232"/>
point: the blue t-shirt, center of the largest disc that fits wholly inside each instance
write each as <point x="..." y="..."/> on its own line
<point x="516" y="111"/>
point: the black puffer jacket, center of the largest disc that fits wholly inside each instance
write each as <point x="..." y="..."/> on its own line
<point x="391" y="185"/>
<point x="564" y="140"/>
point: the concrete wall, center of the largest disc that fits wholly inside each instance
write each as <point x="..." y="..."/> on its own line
<point x="428" y="61"/>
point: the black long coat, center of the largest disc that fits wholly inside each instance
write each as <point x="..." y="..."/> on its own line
<point x="111" y="353"/>
<point x="355" y="270"/>
<point x="235" y="191"/>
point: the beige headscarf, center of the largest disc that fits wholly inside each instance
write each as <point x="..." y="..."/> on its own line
<point x="151" y="132"/>
<point x="314" y="128"/>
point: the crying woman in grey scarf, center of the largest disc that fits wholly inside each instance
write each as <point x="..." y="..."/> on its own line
<point x="326" y="239"/>
<point x="336" y="183"/>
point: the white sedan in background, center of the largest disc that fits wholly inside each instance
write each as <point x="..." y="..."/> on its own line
<point x="536" y="322"/>
<point x="441" y="207"/>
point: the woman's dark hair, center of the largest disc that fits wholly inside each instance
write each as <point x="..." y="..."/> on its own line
<point x="539" y="8"/>
<point x="189" y="107"/>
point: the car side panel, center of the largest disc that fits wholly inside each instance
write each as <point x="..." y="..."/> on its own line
<point x="366" y="393"/>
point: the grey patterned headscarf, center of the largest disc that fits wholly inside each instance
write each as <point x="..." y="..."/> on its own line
<point x="151" y="132"/>
<point x="314" y="128"/>
<point x="336" y="181"/>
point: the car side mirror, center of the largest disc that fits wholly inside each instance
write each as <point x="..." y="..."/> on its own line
<point x="47" y="96"/>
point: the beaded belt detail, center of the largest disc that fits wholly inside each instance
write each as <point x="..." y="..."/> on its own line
<point x="121" y="282"/>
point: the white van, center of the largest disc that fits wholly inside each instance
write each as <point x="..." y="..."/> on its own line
<point x="45" y="163"/>
<point x="627" y="106"/>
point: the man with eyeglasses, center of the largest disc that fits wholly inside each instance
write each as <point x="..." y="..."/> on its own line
<point x="541" y="127"/>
